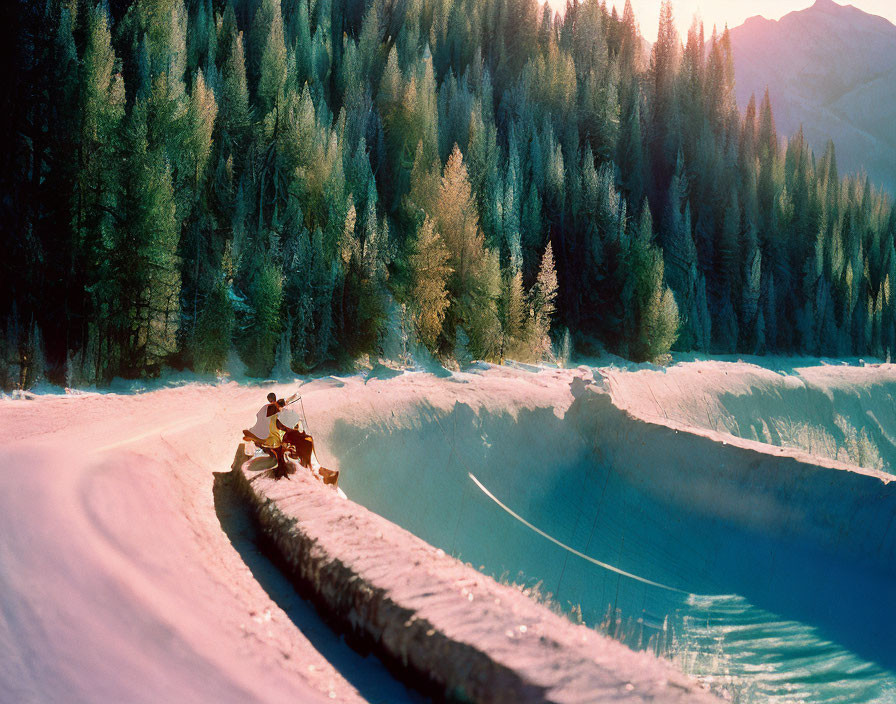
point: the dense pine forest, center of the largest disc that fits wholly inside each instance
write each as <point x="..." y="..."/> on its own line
<point x="301" y="182"/>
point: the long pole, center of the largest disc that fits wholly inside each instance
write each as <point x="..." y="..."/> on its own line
<point x="304" y="417"/>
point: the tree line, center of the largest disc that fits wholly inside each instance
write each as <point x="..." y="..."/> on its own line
<point x="300" y="182"/>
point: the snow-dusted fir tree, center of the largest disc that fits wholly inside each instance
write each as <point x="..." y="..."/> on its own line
<point x="543" y="299"/>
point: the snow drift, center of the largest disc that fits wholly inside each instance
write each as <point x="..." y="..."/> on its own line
<point x="840" y="412"/>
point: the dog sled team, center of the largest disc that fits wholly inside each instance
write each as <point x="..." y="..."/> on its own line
<point x="289" y="446"/>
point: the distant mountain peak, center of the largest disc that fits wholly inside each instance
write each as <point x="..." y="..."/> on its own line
<point x="830" y="68"/>
<point x="845" y="12"/>
<point x="821" y="7"/>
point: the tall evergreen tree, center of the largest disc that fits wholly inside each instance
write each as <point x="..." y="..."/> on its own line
<point x="655" y="320"/>
<point x="98" y="188"/>
<point x="143" y="264"/>
<point x="543" y="299"/>
<point x="263" y="332"/>
<point x="475" y="282"/>
<point x="271" y="49"/>
<point x="429" y="293"/>
<point x="235" y="115"/>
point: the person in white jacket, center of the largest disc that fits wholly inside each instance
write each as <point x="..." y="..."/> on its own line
<point x="264" y="434"/>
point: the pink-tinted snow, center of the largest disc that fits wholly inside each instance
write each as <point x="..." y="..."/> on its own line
<point x="117" y="581"/>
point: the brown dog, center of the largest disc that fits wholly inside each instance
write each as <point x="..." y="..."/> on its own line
<point x="301" y="446"/>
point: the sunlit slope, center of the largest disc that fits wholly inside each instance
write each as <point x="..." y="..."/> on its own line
<point x="129" y="574"/>
<point x="839" y="412"/>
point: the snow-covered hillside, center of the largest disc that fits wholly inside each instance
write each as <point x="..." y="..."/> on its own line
<point x="127" y="574"/>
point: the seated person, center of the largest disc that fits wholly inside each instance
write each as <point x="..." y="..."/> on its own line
<point x="274" y="444"/>
<point x="285" y="444"/>
<point x="267" y="433"/>
<point x="261" y="430"/>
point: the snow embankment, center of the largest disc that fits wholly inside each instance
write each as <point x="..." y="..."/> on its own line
<point x="841" y="412"/>
<point x="701" y="511"/>
<point x="457" y="632"/>
<point x="536" y="439"/>
<point x="781" y="493"/>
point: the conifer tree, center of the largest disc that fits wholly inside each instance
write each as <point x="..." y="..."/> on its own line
<point x="299" y="36"/>
<point x="662" y="136"/>
<point x="263" y="333"/>
<point x="543" y="300"/>
<point x="629" y="148"/>
<point x="324" y="273"/>
<point x="214" y="331"/>
<point x="747" y="149"/>
<point x="457" y="221"/>
<point x="654" y="315"/>
<point x="98" y="189"/>
<point x="751" y="313"/>
<point x="271" y="48"/>
<point x="234" y="94"/>
<point x="768" y="136"/>
<point x="144" y="264"/>
<point x="429" y="278"/>
<point x="682" y="270"/>
<point x="475" y="283"/>
<point x="201" y="113"/>
<point x="478" y="308"/>
<point x="514" y="316"/>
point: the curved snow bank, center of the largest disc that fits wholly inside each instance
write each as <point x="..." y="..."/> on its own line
<point x="456" y="631"/>
<point x="840" y="412"/>
<point x="786" y="560"/>
<point x="532" y="456"/>
<point x="845" y="512"/>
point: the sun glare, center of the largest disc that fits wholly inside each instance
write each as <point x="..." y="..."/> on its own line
<point x="722" y="12"/>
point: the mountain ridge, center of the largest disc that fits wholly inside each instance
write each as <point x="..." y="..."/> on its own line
<point x="829" y="68"/>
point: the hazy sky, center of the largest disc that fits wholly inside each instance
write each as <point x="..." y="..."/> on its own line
<point x="734" y="12"/>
